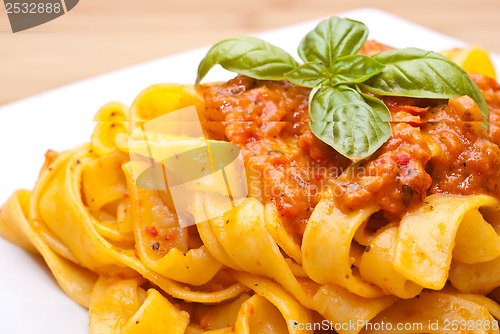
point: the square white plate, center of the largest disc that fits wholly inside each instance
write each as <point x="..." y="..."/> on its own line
<point x="30" y="299"/>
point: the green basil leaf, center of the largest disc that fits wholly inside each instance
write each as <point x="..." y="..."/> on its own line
<point x="331" y="39"/>
<point x="249" y="56"/>
<point x="423" y="74"/>
<point x="354" y="124"/>
<point x="354" y="69"/>
<point x="309" y="75"/>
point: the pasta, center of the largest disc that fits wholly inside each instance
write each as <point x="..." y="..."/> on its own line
<point x="306" y="242"/>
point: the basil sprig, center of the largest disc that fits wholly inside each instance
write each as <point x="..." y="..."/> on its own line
<point x="353" y="123"/>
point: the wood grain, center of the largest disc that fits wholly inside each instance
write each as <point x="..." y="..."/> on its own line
<point x="99" y="36"/>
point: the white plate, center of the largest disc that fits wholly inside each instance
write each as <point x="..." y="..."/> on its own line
<point x="30" y="299"/>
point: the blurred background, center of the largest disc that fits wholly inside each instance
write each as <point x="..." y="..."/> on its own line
<point x="99" y="36"/>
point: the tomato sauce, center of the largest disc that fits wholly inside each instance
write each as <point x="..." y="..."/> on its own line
<point x="286" y="164"/>
<point x="437" y="146"/>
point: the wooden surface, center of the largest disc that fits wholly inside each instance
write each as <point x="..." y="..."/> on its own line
<point x="99" y="36"/>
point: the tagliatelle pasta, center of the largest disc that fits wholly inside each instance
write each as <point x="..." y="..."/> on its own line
<point x="216" y="210"/>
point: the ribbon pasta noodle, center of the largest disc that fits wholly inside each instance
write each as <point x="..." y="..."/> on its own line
<point x="311" y="244"/>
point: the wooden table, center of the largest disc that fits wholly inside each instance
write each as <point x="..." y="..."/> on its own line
<point x="99" y="36"/>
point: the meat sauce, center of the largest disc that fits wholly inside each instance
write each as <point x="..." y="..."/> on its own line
<point x="437" y="146"/>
